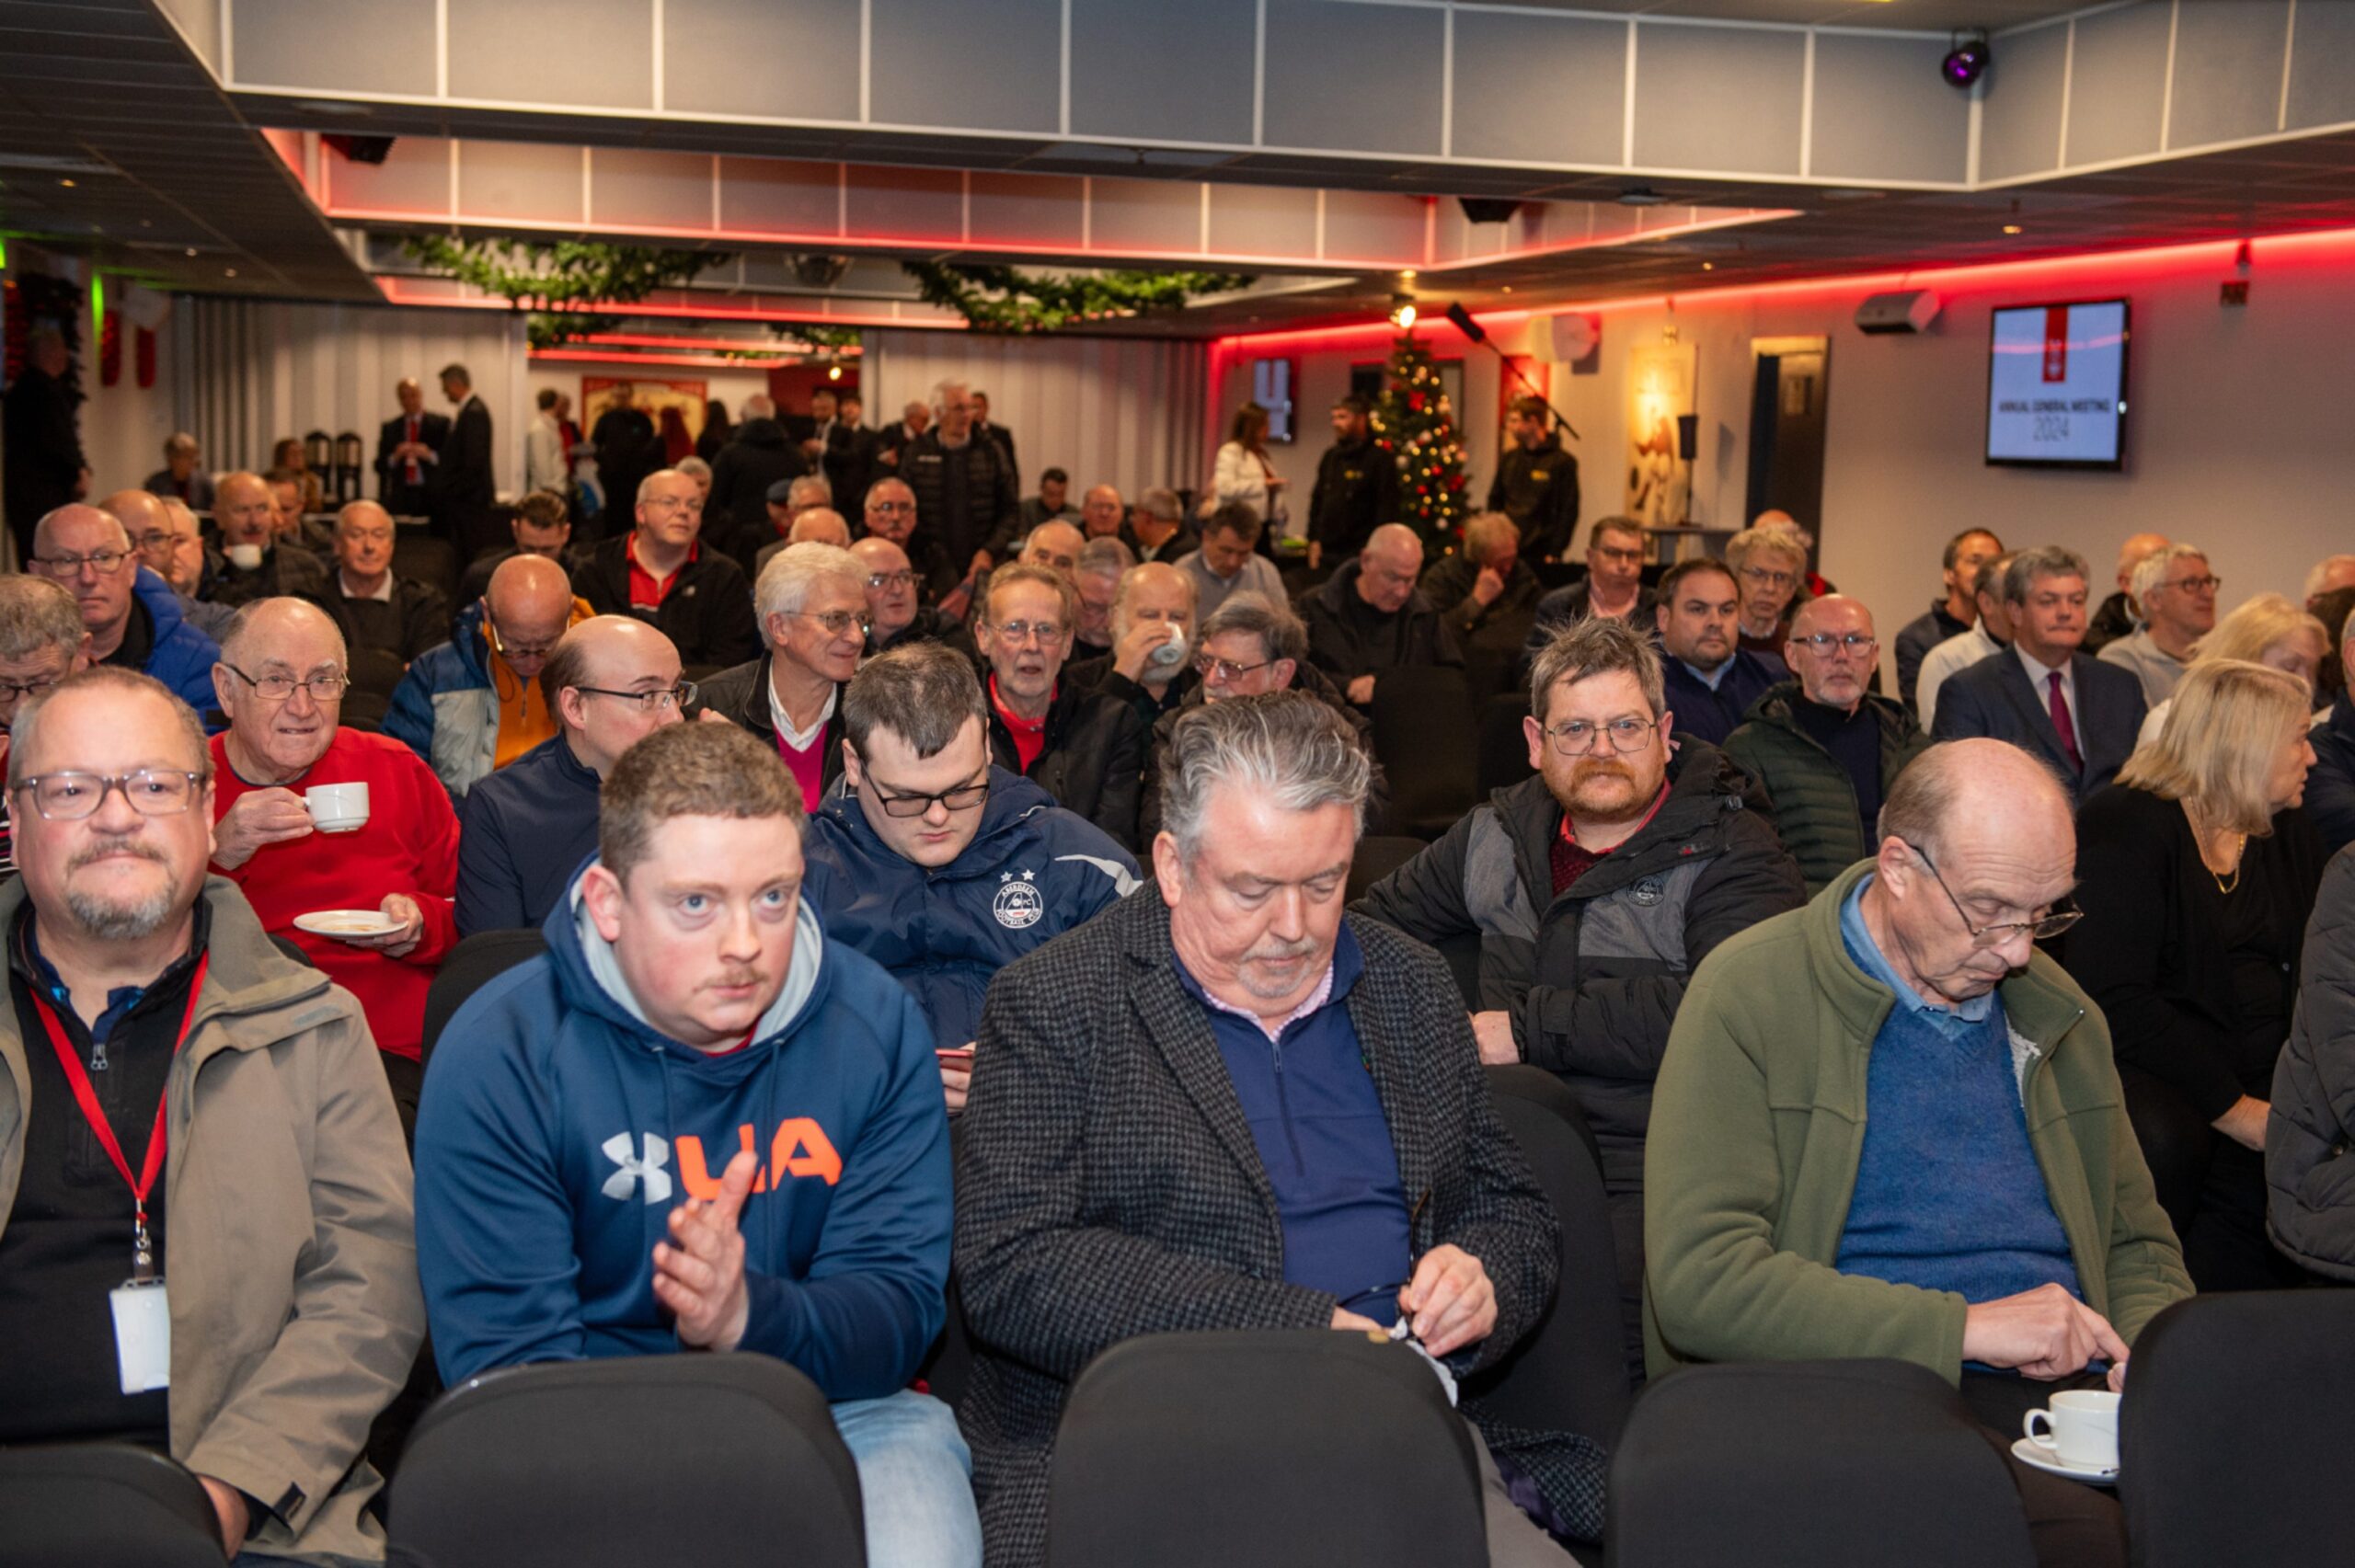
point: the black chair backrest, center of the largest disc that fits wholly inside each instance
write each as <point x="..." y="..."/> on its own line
<point x="612" y="1463"/>
<point x="1378" y="857"/>
<point x="1571" y="1374"/>
<point x="1423" y="734"/>
<point x="1504" y="749"/>
<point x="1263" y="1449"/>
<point x="416" y="554"/>
<point x="1811" y="1464"/>
<point x="474" y="963"/>
<point x="103" y="1505"/>
<point x="2234" y="1434"/>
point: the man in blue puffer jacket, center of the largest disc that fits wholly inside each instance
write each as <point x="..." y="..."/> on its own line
<point x="696" y="1124"/>
<point x="936" y="865"/>
<point x="474" y="705"/>
<point x="132" y="614"/>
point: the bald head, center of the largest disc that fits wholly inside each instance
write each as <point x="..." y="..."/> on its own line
<point x="527" y="606"/>
<point x="822" y="525"/>
<point x="1965" y="798"/>
<point x="77" y="530"/>
<point x="141" y="515"/>
<point x="1388" y="565"/>
<point x="69" y="546"/>
<point x="1833" y="650"/>
<point x="245" y="510"/>
<point x="2138" y="548"/>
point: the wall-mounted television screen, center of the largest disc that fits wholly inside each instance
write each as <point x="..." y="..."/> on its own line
<point x="2056" y="385"/>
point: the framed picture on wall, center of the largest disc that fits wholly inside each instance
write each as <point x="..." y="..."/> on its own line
<point x="674" y="405"/>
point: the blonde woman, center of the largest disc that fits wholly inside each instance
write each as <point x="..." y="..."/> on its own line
<point x="1244" y="473"/>
<point x="2197" y="870"/>
<point x="2267" y="630"/>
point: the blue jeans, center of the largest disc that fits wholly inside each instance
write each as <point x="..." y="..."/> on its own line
<point x="916" y="1478"/>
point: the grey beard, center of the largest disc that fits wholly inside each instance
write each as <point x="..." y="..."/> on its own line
<point x="123" y="923"/>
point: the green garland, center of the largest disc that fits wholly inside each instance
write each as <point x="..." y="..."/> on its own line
<point x="1002" y="299"/>
<point x="555" y="280"/>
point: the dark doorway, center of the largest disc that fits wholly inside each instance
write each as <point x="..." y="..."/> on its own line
<point x="1788" y="399"/>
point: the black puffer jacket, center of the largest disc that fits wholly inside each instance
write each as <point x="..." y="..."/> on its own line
<point x="2310" y="1142"/>
<point x="1094" y="759"/>
<point x="992" y="507"/>
<point x="708" y="614"/>
<point x="1593" y="978"/>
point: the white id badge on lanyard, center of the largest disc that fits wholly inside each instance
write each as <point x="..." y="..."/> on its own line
<point x="142" y="1335"/>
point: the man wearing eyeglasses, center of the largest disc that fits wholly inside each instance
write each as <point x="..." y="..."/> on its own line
<point x="662" y="573"/>
<point x="1150" y="665"/>
<point x="1824" y="749"/>
<point x="1084" y="748"/>
<point x="612" y="681"/>
<point x="43" y="641"/>
<point x="473" y="706"/>
<point x="1595" y="888"/>
<point x="282" y="679"/>
<point x="2177" y="593"/>
<point x="1888" y="1125"/>
<point x="1612" y="587"/>
<point x="813" y="602"/>
<point x="895" y="617"/>
<point x="937" y="864"/>
<point x="889" y="513"/>
<point x="132" y="615"/>
<point x="206" y="1238"/>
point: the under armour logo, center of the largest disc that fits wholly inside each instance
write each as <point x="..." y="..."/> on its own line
<point x="634" y="1170"/>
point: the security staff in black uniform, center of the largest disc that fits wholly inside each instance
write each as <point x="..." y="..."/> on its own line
<point x="1536" y="483"/>
<point x="1357" y="486"/>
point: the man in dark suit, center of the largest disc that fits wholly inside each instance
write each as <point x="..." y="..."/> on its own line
<point x="2044" y="693"/>
<point x="408" y="454"/>
<point x="461" y="513"/>
<point x="628" y="451"/>
<point x="1131" y="1059"/>
<point x="996" y="435"/>
<point x="44" y="468"/>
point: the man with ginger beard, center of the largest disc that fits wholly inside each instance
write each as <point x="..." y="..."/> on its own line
<point x="1635" y="865"/>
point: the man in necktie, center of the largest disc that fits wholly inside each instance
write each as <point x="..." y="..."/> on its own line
<point x="408" y="452"/>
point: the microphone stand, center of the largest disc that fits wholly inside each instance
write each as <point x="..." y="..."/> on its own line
<point x="1463" y="323"/>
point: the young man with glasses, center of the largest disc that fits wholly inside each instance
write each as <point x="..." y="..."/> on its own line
<point x="1595" y="889"/>
<point x="662" y="573"/>
<point x="611" y="681"/>
<point x="1825" y="749"/>
<point x="132" y="615"/>
<point x="1888" y="1125"/>
<point x="1086" y="749"/>
<point x="280" y="679"/>
<point x="935" y="863"/>
<point x="812" y="603"/>
<point x="473" y="706"/>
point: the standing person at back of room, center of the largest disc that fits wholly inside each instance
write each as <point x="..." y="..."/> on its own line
<point x="1357" y="487"/>
<point x="1537" y="482"/>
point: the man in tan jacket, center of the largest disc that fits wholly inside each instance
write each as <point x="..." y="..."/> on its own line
<point x="146" y="1004"/>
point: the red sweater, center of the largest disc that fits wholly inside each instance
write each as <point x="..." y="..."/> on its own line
<point x="410" y="845"/>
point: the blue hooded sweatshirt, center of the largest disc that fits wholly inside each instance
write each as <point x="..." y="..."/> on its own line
<point x="1032" y="872"/>
<point x="181" y="657"/>
<point x="558" y="1131"/>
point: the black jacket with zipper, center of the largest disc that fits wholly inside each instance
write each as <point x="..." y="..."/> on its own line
<point x="707" y="614"/>
<point x="1094" y="759"/>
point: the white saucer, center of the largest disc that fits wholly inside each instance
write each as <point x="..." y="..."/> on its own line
<point x="347" y="922"/>
<point x="2028" y="1453"/>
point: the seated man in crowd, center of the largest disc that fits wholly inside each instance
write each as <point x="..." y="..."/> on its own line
<point x="1098" y="1057"/>
<point x="253" y="566"/>
<point x="540" y="524"/>
<point x="1056" y="545"/>
<point x="1368" y="618"/>
<point x="469" y="707"/>
<point x="2330" y="782"/>
<point x="293" y="1312"/>
<point x="1595" y="889"/>
<point x="291" y="493"/>
<point x="2042" y="694"/>
<point x="1084" y="748"/>
<point x="638" y="1069"/>
<point x="889" y="513"/>
<point x="1151" y="665"/>
<point x="813" y="602"/>
<point x="1889" y="1125"/>
<point x="1157" y="530"/>
<point x="1228" y="560"/>
<point x="811" y="525"/>
<point x="935" y="863"/>
<point x="894" y="615"/>
<point x="374" y="606"/>
<point x="661" y="572"/>
<point x="170" y="543"/>
<point x="132" y="615"/>
<point x="1103" y="562"/>
<point x="1487" y="596"/>
<point x="1825" y="751"/>
<point x="1771" y="565"/>
<point x="2119" y="614"/>
<point x="43" y="641"/>
<point x="1708" y="678"/>
<point x="1102" y="513"/>
<point x="1052" y="503"/>
<point x="1991" y="634"/>
<point x="182" y="477"/>
<point x="280" y="679"/>
<point x="1249" y="648"/>
<point x="611" y="681"/>
<point x="2177" y="593"/>
<point x="1949" y="616"/>
<point x="1612" y="587"/>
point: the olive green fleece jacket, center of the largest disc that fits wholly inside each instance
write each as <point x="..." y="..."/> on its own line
<point x="1758" y="1123"/>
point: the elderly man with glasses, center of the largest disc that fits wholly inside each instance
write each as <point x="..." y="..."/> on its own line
<point x="471" y="706"/>
<point x="282" y="679"/>
<point x="43" y="641"/>
<point x="132" y="615"/>
<point x="1889" y="1125"/>
<point x="938" y="864"/>
<point x="1825" y="749"/>
<point x="2177" y="594"/>
<point x="663" y="573"/>
<point x="1595" y="889"/>
<point x="1084" y="747"/>
<point x="889" y="513"/>
<point x="813" y="602"/>
<point x="895" y="615"/>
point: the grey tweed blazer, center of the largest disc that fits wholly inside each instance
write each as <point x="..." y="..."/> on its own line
<point x="1108" y="1185"/>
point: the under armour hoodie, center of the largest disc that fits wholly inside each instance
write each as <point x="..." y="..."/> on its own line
<point x="560" y="1129"/>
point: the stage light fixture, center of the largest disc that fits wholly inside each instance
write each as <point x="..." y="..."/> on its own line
<point x="1402" y="312"/>
<point x="1967" y="61"/>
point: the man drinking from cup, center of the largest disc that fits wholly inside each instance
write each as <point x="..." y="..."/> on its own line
<point x="313" y="819"/>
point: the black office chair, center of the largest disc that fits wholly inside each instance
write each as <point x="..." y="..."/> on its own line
<point x="611" y="1463"/>
<point x="2235" y="1433"/>
<point x="1811" y="1464"/>
<point x="1422" y="733"/>
<point x="103" y="1505"/>
<point x="1570" y="1373"/>
<point x="1504" y="749"/>
<point x="1263" y="1449"/>
<point x="474" y="963"/>
<point x="1378" y="857"/>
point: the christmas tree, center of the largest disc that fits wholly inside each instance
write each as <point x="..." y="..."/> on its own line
<point x="1414" y="420"/>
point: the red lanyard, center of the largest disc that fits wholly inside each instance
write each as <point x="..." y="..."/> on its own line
<point x="86" y="1096"/>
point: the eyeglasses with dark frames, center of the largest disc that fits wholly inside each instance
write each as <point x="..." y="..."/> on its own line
<point x="1226" y="669"/>
<point x="1577" y="737"/>
<point x="963" y="797"/>
<point x="653" y="699"/>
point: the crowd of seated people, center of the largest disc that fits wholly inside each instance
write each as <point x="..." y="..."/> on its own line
<point x="1039" y="813"/>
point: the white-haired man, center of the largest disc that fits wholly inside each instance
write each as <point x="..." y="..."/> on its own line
<point x="2177" y="596"/>
<point x="813" y="602"/>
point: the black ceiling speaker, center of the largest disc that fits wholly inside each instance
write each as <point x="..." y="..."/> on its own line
<point x="359" y="149"/>
<point x="813" y="271"/>
<point x="1488" y="209"/>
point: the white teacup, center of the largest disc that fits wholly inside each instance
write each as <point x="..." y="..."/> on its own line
<point x="245" y="557"/>
<point x="337" y="808"/>
<point x="2083" y="1424"/>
